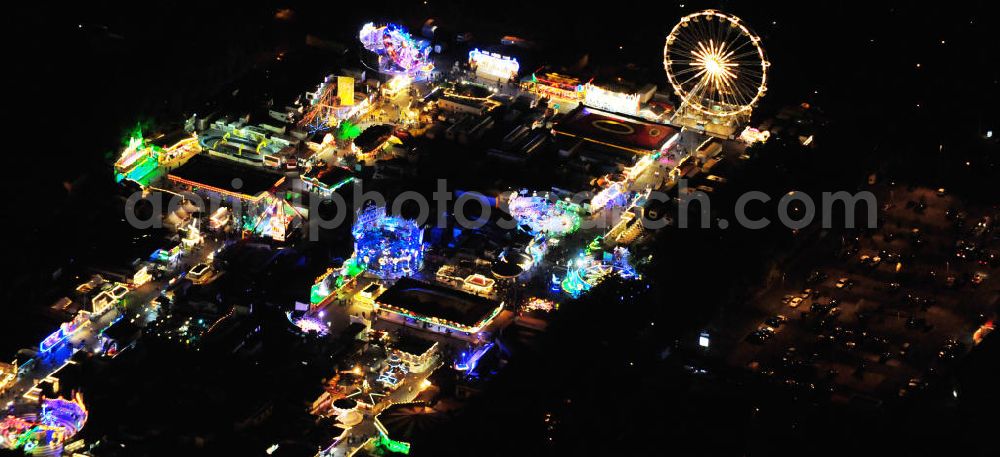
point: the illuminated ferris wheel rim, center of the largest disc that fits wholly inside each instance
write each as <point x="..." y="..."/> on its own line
<point x="715" y="65"/>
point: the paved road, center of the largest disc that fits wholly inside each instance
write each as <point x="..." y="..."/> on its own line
<point x="138" y="306"/>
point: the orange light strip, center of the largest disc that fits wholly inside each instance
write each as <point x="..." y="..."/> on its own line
<point x="239" y="195"/>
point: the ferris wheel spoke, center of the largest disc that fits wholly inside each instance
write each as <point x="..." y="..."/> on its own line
<point x="740" y="93"/>
<point x="685" y="62"/>
<point x="697" y="75"/>
<point x="726" y="95"/>
<point x="686" y="71"/>
<point x="690" y="42"/>
<point x="712" y="30"/>
<point x="751" y="80"/>
<point x="724" y="33"/>
<point x="752" y="69"/>
<point x="750" y="84"/>
<point x="711" y="92"/>
<point x="686" y="57"/>
<point x="696" y="90"/>
<point x="747" y="56"/>
<point x="749" y="93"/>
<point x="738" y="101"/>
<point x="694" y="30"/>
<point x="748" y="70"/>
<point x="730" y="39"/>
<point x="734" y="49"/>
<point x="685" y="46"/>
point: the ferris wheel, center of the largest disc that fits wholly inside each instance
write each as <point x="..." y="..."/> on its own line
<point x="715" y="64"/>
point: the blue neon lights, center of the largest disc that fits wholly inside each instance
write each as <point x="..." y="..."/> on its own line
<point x="467" y="361"/>
<point x="398" y="52"/>
<point x="388" y="246"/>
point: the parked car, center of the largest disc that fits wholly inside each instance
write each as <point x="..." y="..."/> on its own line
<point x="760" y="336"/>
<point x="776" y="321"/>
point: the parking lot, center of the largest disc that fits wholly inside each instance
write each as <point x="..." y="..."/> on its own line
<point x="887" y="312"/>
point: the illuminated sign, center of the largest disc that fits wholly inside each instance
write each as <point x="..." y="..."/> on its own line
<point x="132" y="153"/>
<point x="65" y="330"/>
<point x="467" y="361"/>
<point x="166" y="255"/>
<point x="219" y="218"/>
<point x="555" y="85"/>
<point x="345" y="90"/>
<point x="101" y="302"/>
<point x="619" y="102"/>
<point x="478" y="283"/>
<point x="493" y="66"/>
<point x="397" y="84"/>
<point x="142" y="276"/>
<point x="751" y="135"/>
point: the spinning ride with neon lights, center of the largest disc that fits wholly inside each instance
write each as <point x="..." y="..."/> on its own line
<point x="46" y="432"/>
<point x="398" y="52"/>
<point x="276" y="220"/>
<point x="538" y="214"/>
<point x="390" y="247"/>
<point x="717" y="67"/>
<point x="614" y="195"/>
<point x="589" y="270"/>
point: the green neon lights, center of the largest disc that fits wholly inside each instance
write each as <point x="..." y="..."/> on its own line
<point x="348" y="131"/>
<point x="392" y="445"/>
<point x="456" y="327"/>
<point x="320" y="292"/>
<point x="146" y="166"/>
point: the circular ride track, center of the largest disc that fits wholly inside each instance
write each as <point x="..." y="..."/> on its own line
<point x="45" y="432"/>
<point x="538" y="214"/>
<point x="237" y="143"/>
